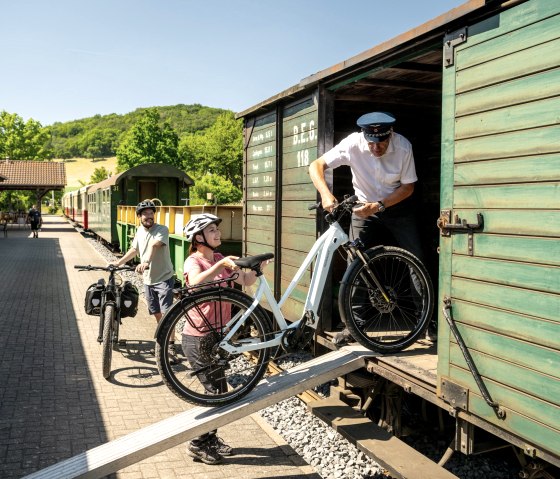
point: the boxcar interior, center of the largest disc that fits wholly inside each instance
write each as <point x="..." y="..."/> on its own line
<point x="411" y="90"/>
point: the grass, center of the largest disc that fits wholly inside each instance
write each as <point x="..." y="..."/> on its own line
<point x="82" y="168"/>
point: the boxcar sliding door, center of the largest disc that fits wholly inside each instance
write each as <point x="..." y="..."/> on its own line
<point x="501" y="158"/>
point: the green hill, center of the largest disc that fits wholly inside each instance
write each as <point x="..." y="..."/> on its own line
<point x="99" y="136"/>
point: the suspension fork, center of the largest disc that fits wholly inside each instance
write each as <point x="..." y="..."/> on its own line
<point x="354" y="250"/>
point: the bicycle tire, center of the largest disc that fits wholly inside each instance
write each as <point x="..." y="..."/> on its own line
<point x="108" y="319"/>
<point x="237" y="374"/>
<point x="374" y="322"/>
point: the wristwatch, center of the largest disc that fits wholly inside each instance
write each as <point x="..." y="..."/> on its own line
<point x="380" y="206"/>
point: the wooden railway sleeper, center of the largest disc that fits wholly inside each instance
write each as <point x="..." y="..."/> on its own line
<point x="448" y="315"/>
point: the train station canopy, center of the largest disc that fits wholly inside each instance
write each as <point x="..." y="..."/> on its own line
<point x="38" y="176"/>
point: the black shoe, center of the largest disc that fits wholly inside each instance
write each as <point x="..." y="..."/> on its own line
<point x="220" y="446"/>
<point x="205" y="453"/>
<point x="431" y="335"/>
<point x="342" y="338"/>
<point x="172" y="355"/>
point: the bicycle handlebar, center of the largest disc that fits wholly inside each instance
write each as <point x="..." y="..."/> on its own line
<point x="339" y="209"/>
<point x="109" y="268"/>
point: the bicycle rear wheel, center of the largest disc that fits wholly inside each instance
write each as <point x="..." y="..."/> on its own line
<point x="387" y="323"/>
<point x="202" y="372"/>
<point x="108" y="321"/>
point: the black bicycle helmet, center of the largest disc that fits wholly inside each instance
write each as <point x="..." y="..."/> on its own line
<point x="197" y="225"/>
<point x="145" y="205"/>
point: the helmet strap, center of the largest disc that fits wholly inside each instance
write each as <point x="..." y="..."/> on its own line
<point x="205" y="242"/>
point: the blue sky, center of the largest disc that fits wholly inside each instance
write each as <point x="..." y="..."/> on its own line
<point x="63" y="60"/>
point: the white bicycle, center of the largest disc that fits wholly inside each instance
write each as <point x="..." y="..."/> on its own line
<point x="386" y="301"/>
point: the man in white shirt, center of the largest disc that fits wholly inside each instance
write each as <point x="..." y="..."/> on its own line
<point x="383" y="177"/>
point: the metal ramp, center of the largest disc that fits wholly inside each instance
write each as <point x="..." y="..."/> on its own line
<point x="149" y="441"/>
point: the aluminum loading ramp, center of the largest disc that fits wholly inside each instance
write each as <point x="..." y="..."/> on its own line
<point x="149" y="441"/>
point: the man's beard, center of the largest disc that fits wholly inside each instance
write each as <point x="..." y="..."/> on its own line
<point x="149" y="225"/>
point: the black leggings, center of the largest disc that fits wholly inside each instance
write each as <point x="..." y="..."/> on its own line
<point x="213" y="382"/>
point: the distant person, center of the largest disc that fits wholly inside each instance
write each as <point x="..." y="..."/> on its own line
<point x="205" y="264"/>
<point x="35" y="220"/>
<point x="151" y="243"/>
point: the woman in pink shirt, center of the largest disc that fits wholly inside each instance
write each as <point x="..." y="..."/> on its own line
<point x="205" y="264"/>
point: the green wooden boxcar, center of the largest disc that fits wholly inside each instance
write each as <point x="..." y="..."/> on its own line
<point x="477" y="92"/>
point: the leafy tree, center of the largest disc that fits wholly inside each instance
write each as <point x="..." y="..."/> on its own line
<point x="21" y="140"/>
<point x="148" y="142"/>
<point x="222" y="189"/>
<point x="218" y="150"/>
<point x="99" y="174"/>
<point x="98" y="143"/>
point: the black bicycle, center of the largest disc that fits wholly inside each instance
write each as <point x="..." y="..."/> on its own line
<point x="111" y="301"/>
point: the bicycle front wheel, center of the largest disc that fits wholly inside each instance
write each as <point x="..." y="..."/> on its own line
<point x="390" y="318"/>
<point x="108" y="321"/>
<point x="200" y="371"/>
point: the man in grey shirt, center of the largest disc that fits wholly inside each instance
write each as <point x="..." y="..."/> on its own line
<point x="151" y="243"/>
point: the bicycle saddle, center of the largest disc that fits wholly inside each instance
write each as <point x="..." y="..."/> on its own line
<point x="253" y="262"/>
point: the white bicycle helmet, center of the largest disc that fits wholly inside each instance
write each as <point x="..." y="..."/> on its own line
<point x="196" y="225"/>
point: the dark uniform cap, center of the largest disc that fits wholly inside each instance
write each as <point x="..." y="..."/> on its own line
<point x="376" y="126"/>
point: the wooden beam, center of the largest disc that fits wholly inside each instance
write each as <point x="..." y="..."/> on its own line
<point x="401" y="460"/>
<point x="149" y="441"/>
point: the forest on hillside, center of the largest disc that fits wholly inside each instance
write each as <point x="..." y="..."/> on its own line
<point x="205" y="142"/>
<point x="101" y="135"/>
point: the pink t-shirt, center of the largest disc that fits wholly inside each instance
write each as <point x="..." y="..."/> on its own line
<point x="208" y="310"/>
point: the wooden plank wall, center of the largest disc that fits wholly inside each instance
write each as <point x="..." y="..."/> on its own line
<point x="278" y="191"/>
<point x="298" y="231"/>
<point x="505" y="147"/>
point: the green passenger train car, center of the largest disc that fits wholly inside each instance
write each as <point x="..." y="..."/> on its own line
<point x="158" y="181"/>
<point x="477" y="92"/>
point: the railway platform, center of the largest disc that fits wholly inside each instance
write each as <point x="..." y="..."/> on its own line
<point x="54" y="401"/>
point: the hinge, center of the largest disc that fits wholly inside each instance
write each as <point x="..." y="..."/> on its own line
<point x="450" y="41"/>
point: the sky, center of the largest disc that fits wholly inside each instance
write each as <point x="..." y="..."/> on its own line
<point x="63" y="60"/>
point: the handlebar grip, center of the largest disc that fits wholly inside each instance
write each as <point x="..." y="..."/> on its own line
<point x="80" y="267"/>
<point x="314" y="206"/>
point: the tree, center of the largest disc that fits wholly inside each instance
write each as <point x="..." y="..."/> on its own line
<point x="99" y="143"/>
<point x="222" y="189"/>
<point x="219" y="150"/>
<point x="99" y="174"/>
<point x="21" y="140"/>
<point x="148" y="142"/>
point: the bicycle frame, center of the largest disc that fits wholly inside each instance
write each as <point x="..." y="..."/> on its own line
<point x="323" y="251"/>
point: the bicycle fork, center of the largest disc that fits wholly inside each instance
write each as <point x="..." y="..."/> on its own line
<point x="356" y="252"/>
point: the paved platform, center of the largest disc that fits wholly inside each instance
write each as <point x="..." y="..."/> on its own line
<point x="54" y="401"/>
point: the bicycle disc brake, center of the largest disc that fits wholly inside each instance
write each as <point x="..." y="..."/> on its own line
<point x="378" y="301"/>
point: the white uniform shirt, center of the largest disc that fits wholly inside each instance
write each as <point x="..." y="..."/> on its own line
<point x="374" y="178"/>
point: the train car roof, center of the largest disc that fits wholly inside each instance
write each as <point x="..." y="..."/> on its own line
<point x="148" y="170"/>
<point x="435" y="28"/>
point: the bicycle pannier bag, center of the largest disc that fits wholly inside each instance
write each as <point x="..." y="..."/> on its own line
<point x="129" y="300"/>
<point x="93" y="299"/>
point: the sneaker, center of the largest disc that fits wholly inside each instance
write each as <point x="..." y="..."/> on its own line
<point x="220" y="446"/>
<point x="205" y="453"/>
<point x="342" y="338"/>
<point x="172" y="355"/>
